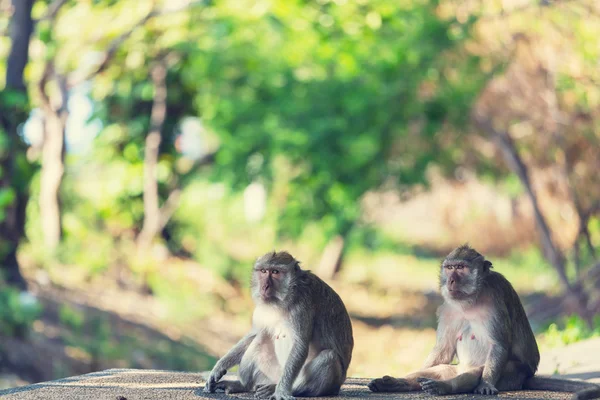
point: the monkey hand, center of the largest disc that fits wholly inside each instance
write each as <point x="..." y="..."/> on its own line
<point x="215" y="376"/>
<point x="389" y="384"/>
<point x="434" y="387"/>
<point x="486" y="388"/>
<point x="281" y="395"/>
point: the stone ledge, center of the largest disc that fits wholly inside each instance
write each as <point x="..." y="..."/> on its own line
<point x="135" y="384"/>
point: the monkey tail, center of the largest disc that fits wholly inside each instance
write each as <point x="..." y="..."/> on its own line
<point x="580" y="390"/>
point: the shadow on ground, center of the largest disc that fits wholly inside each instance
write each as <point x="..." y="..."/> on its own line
<point x="163" y="385"/>
<point x="71" y="338"/>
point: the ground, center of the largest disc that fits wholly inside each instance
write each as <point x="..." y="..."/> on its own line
<point x="576" y="361"/>
<point x="131" y="384"/>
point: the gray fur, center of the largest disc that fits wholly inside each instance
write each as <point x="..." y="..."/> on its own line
<point x="301" y="341"/>
<point x="482" y="322"/>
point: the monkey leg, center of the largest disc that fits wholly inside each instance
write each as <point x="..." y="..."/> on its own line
<point x="465" y="382"/>
<point x="230" y="387"/>
<point x="410" y="382"/>
<point x="259" y="368"/>
<point x="264" y="391"/>
<point x="513" y="376"/>
<point x="322" y="376"/>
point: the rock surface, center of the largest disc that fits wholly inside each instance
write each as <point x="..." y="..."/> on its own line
<point x="132" y="384"/>
<point x="576" y="361"/>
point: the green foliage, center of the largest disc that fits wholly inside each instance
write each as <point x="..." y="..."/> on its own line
<point x="18" y="311"/>
<point x="363" y="236"/>
<point x="334" y="89"/>
<point x="95" y="336"/>
<point x="570" y="330"/>
<point x="71" y="317"/>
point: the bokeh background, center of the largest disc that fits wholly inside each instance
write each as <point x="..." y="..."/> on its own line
<point x="150" y="150"/>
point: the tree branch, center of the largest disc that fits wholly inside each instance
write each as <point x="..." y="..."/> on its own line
<point x="158" y="114"/>
<point x="168" y="208"/>
<point x="513" y="159"/>
<point x="53" y="10"/>
<point x="118" y="41"/>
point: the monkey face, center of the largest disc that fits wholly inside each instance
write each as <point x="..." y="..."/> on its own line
<point x="270" y="281"/>
<point x="462" y="272"/>
<point x="273" y="277"/>
<point x="458" y="280"/>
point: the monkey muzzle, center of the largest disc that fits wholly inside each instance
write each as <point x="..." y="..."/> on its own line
<point x="267" y="291"/>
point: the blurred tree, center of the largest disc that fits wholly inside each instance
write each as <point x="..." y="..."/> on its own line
<point x="59" y="78"/>
<point x="53" y="103"/>
<point x="142" y="121"/>
<point x="155" y="215"/>
<point x="336" y="98"/>
<point x="15" y="171"/>
<point x="542" y="114"/>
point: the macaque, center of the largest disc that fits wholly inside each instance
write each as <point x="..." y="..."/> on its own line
<point x="301" y="339"/>
<point x="482" y="322"/>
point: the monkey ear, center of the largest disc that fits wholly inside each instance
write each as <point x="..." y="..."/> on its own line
<point x="487" y="265"/>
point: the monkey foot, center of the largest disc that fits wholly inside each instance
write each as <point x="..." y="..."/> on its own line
<point x="389" y="384"/>
<point x="486" y="388"/>
<point x="279" y="396"/>
<point x="264" y="391"/>
<point x="432" y="386"/>
<point x="230" y="387"/>
<point x="282" y="397"/>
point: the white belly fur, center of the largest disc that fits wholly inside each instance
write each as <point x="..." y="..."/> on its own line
<point x="274" y="322"/>
<point x="472" y="345"/>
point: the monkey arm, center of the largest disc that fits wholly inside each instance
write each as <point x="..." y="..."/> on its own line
<point x="234" y="356"/>
<point x="302" y="327"/>
<point x="442" y="353"/>
<point x="445" y="346"/>
<point x="494" y="364"/>
<point x="500" y="331"/>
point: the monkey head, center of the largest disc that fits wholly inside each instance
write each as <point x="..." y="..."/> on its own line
<point x="273" y="277"/>
<point x="462" y="274"/>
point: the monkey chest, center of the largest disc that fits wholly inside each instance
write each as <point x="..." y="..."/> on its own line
<point x="275" y="325"/>
<point x="281" y="336"/>
<point x="472" y="344"/>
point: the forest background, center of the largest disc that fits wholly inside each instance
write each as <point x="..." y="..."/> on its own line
<point x="151" y="150"/>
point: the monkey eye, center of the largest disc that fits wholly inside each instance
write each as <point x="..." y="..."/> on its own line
<point x="274" y="271"/>
<point x="459" y="266"/>
<point x="263" y="271"/>
<point x="448" y="267"/>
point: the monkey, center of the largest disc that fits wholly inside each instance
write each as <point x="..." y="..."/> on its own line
<point x="483" y="323"/>
<point x="301" y="339"/>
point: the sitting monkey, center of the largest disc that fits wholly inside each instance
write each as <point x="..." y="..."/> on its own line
<point x="301" y="339"/>
<point x="483" y="323"/>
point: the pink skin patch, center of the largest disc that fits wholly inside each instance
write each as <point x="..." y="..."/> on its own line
<point x="460" y="338"/>
<point x="472" y="337"/>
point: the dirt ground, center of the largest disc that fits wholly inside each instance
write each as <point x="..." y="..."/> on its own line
<point x="154" y="385"/>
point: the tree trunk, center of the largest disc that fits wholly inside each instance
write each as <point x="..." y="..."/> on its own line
<point x="20" y="33"/>
<point x="53" y="157"/>
<point x="152" y="212"/>
<point x="551" y="251"/>
<point x="331" y="260"/>
<point x="14" y="180"/>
